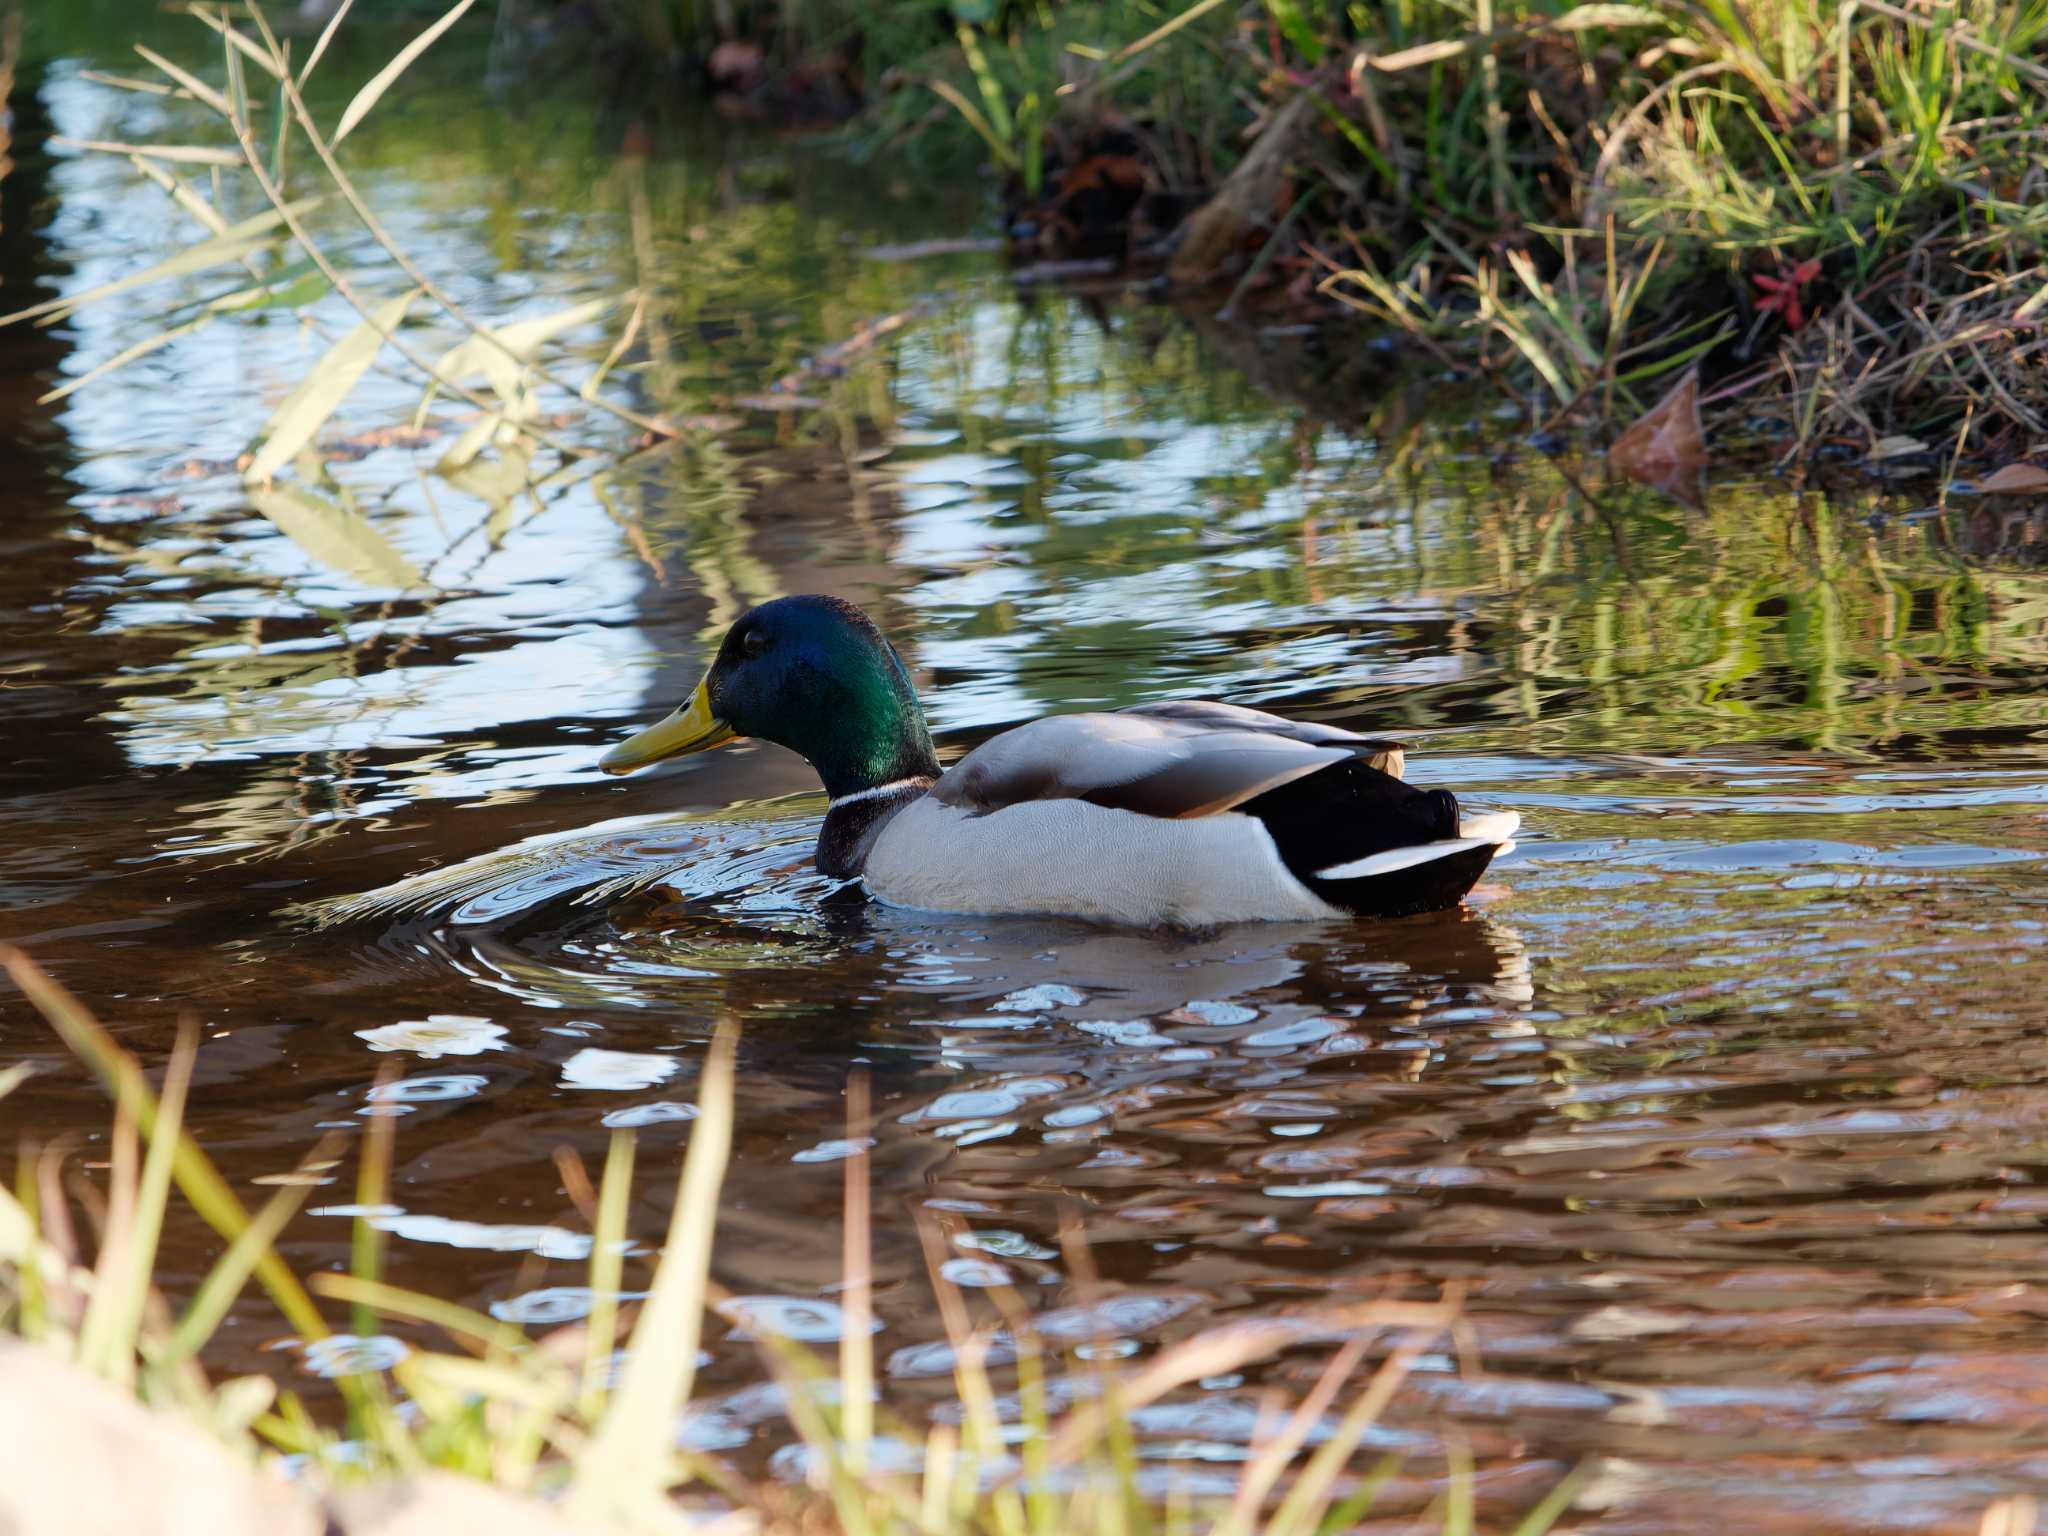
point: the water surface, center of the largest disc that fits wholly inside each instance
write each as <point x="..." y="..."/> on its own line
<point x="1723" y="1098"/>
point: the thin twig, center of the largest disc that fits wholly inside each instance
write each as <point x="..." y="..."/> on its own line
<point x="412" y="270"/>
<point x="252" y="156"/>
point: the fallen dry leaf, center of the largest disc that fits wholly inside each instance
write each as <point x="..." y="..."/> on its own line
<point x="2015" y="480"/>
<point x="735" y="64"/>
<point x="1667" y="449"/>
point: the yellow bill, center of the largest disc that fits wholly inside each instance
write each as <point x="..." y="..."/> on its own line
<point x="690" y="729"/>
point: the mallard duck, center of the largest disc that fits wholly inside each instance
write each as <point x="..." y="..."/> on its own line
<point x="1182" y="814"/>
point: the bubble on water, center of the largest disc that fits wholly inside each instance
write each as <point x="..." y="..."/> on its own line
<point x="989" y="1101"/>
<point x="1075" y="1114"/>
<point x="833" y="1151"/>
<point x="788" y="1317"/>
<point x="548" y="1242"/>
<point x="1113" y="1316"/>
<point x="438" y="1034"/>
<point x="428" y="1090"/>
<point x="554" y="1304"/>
<point x="1288" y="1109"/>
<point x="886" y="1455"/>
<point x="1127" y="1157"/>
<point x="1207" y="1011"/>
<point x="706" y="1429"/>
<point x="1007" y="1245"/>
<point x="1309" y="1159"/>
<point x="1039" y="998"/>
<point x="639" y="1115"/>
<point x="976" y="1272"/>
<point x="1107" y="1349"/>
<point x="1110" y="1321"/>
<point x="937" y="1358"/>
<point x="1300" y="1032"/>
<point x="1318" y="1191"/>
<point x="1125" y="1031"/>
<point x="617" y="1071"/>
<point x="967" y="1133"/>
<point x="349" y="1354"/>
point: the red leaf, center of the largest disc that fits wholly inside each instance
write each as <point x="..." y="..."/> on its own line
<point x="1785" y="292"/>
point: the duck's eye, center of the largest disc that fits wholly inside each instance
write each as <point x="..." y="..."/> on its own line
<point x="754" y="642"/>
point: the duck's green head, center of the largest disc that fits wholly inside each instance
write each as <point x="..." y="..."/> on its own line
<point x="812" y="674"/>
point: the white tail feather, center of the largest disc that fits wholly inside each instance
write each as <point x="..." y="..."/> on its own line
<point x="1401" y="858"/>
<point x="1496" y="828"/>
<point x="1493" y="826"/>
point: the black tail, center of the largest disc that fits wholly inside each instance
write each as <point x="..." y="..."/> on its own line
<point x="1351" y="810"/>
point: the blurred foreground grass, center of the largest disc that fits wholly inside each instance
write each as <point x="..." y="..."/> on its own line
<point x="587" y="1418"/>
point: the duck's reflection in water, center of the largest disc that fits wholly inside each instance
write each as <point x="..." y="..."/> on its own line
<point x="1152" y="1088"/>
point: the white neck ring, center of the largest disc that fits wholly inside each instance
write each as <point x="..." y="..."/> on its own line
<point x="874" y="794"/>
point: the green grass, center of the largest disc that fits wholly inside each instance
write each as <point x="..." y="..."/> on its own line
<point x="555" y="1418"/>
<point x="1573" y="198"/>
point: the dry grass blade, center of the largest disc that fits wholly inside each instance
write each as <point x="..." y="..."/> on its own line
<point x="183" y="154"/>
<point x="1162" y="32"/>
<point x="128" y="1294"/>
<point x="103" y="1349"/>
<point x="231" y="245"/>
<point x="856" y="1341"/>
<point x="2015" y="480"/>
<point x="199" y="1180"/>
<point x="607" y="1267"/>
<point x="126" y="356"/>
<point x="318" y="396"/>
<point x="623" y="1473"/>
<point x="1233" y="1346"/>
<point x="1263" y="1472"/>
<point x="500" y="354"/>
<point x="326" y="36"/>
<point x="224" y="1282"/>
<point x="199" y="88"/>
<point x="396" y="1301"/>
<point x="342" y="184"/>
<point x="335" y="536"/>
<point x="1300" y="1512"/>
<point x="982" y="1441"/>
<point x="241" y="44"/>
<point x="371" y="94"/>
<point x="1558" y="1500"/>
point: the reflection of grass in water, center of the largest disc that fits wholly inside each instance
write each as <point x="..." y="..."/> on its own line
<point x="1628" y="622"/>
<point x="699" y="513"/>
<point x="561" y="1418"/>
<point x="1775" y="616"/>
